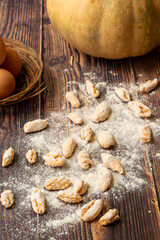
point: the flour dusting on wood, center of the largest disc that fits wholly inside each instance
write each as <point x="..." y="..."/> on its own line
<point x="129" y="151"/>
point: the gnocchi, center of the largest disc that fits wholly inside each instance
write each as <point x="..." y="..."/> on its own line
<point x="123" y="94"/>
<point x="35" y="126"/>
<point x="139" y="109"/>
<point x="7" y="198"/>
<point x="73" y="99"/>
<point x="106" y="139"/>
<point x="101" y="113"/>
<point x="145" y="134"/>
<point x="38" y="201"/>
<point x="148" y="86"/>
<point x="86" y="133"/>
<point x="54" y="159"/>
<point x="75" y="118"/>
<point x="31" y="156"/>
<point x="91" y="89"/>
<point x="105" y="180"/>
<point x="68" y="147"/>
<point x="84" y="160"/>
<point x="55" y="183"/>
<point x="111" y="162"/>
<point x="7" y="157"/>
<point x="81" y="187"/>
<point x="70" y="197"/>
<point x="91" y="210"/>
<point x="111" y="216"/>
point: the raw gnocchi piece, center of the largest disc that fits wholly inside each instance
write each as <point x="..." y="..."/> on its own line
<point x="38" y="201"/>
<point x="123" y="94"/>
<point x="81" y="187"/>
<point x="73" y="99"/>
<point x="106" y="139"/>
<point x="145" y="134"/>
<point x="91" y="210"/>
<point x="70" y="197"/>
<point x="105" y="180"/>
<point x="68" y="147"/>
<point x="31" y="156"/>
<point x="139" y="109"/>
<point x="91" y="89"/>
<point x="101" y="113"/>
<point x="75" y="118"/>
<point x="84" y="160"/>
<point x="35" y="126"/>
<point x="111" y="162"/>
<point x="7" y="157"/>
<point x="57" y="183"/>
<point x="148" y="86"/>
<point x="54" y="159"/>
<point x="86" y="133"/>
<point x="7" y="198"/>
<point x="109" y="217"/>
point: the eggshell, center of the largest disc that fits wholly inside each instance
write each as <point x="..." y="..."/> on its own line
<point x="2" y="51"/>
<point x="7" y="83"/>
<point x="12" y="62"/>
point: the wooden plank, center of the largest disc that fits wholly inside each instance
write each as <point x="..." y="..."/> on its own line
<point x="20" y="20"/>
<point x="147" y="68"/>
<point x="139" y="216"/>
<point x="139" y="210"/>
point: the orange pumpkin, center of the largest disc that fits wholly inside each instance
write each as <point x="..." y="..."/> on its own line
<point x="108" y="28"/>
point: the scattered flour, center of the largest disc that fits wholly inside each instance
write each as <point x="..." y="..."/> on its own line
<point x="158" y="155"/>
<point x="121" y="123"/>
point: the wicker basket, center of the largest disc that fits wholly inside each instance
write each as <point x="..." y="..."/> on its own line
<point x="28" y="84"/>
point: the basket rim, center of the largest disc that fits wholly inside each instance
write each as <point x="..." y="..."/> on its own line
<point x="20" y="96"/>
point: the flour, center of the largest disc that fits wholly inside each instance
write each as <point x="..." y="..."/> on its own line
<point x="121" y="123"/>
<point x="158" y="155"/>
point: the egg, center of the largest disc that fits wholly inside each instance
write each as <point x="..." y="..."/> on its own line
<point x="12" y="62"/>
<point x="2" y="51"/>
<point x="7" y="83"/>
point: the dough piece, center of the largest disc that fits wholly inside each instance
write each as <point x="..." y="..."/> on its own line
<point x="35" y="126"/>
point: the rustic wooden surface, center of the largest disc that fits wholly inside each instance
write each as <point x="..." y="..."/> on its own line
<point x="28" y="22"/>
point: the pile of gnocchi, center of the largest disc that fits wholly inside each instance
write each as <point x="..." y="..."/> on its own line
<point x="106" y="140"/>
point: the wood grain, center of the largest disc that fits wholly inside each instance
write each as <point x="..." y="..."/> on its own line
<point x="20" y="20"/>
<point x="140" y="219"/>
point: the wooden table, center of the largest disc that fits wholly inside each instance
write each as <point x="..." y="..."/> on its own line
<point x="28" y="22"/>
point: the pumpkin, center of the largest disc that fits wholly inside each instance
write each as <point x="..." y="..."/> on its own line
<point x="111" y="29"/>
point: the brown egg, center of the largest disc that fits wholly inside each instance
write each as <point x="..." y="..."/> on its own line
<point x="12" y="62"/>
<point x="7" y="83"/>
<point x="2" y="51"/>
